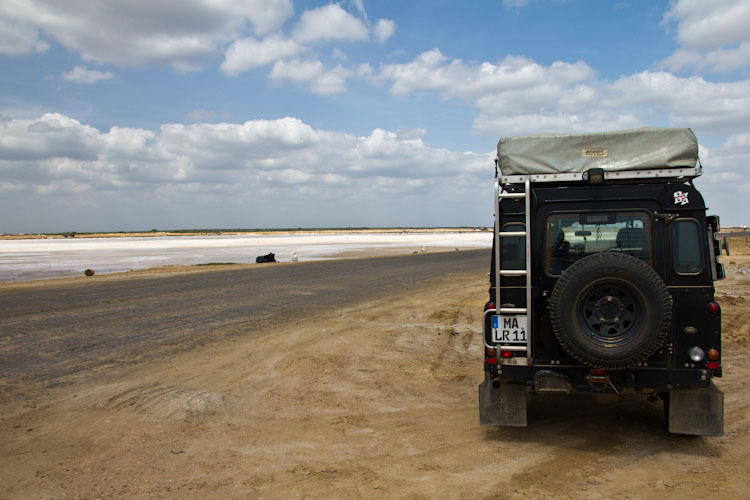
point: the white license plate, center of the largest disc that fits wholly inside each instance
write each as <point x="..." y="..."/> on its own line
<point x="509" y="329"/>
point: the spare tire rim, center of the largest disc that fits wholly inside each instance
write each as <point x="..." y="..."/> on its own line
<point x="610" y="312"/>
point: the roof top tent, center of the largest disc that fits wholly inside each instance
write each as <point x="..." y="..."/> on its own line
<point x="627" y="154"/>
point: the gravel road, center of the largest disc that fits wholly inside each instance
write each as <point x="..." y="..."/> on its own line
<point x="50" y="332"/>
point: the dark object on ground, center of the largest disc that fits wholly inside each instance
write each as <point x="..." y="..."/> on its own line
<point x="89" y="272"/>
<point x="266" y="258"/>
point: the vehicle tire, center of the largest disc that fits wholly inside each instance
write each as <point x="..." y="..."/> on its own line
<point x="610" y="310"/>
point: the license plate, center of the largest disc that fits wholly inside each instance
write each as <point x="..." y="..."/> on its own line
<point x="509" y="329"/>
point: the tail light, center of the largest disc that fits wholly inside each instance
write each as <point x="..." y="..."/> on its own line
<point x="490" y="355"/>
<point x="714" y="308"/>
<point x="489" y="305"/>
<point x="713" y="359"/>
<point x="696" y="354"/>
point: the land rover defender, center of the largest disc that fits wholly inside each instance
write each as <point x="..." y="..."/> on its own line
<point x="601" y="277"/>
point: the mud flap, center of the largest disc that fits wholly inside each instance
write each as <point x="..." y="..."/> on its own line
<point x="502" y="406"/>
<point x="698" y="411"/>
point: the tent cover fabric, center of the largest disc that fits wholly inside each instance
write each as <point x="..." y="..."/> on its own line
<point x="637" y="149"/>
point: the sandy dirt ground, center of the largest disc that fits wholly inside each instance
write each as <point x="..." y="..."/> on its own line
<point x="378" y="400"/>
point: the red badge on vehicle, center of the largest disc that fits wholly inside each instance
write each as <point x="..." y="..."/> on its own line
<point x="681" y="198"/>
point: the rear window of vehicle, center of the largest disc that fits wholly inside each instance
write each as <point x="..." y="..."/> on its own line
<point x="571" y="237"/>
<point x="686" y="247"/>
<point x="513" y="248"/>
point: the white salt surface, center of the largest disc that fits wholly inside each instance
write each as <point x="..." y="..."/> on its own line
<point x="23" y="260"/>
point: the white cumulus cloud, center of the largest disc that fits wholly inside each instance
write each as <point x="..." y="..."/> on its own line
<point x="321" y="81"/>
<point x="384" y="29"/>
<point x="249" y="53"/>
<point x="330" y="22"/>
<point x="50" y="136"/>
<point x="85" y="76"/>
<point x="19" y="38"/>
<point x="452" y="78"/>
<point x="517" y="95"/>
<point x="233" y="168"/>
<point x="180" y="33"/>
<point x="713" y="36"/>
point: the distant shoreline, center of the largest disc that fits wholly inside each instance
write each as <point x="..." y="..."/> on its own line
<point x="239" y="232"/>
<point x="41" y="258"/>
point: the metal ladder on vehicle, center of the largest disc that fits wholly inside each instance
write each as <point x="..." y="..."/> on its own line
<point x="526" y="234"/>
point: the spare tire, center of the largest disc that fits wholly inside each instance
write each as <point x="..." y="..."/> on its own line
<point x="610" y="310"/>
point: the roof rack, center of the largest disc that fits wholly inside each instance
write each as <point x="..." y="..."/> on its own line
<point x="661" y="173"/>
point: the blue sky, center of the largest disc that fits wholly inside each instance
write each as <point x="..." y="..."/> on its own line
<point x="278" y="113"/>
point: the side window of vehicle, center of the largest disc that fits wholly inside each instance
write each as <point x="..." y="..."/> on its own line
<point x="686" y="247"/>
<point x="513" y="248"/>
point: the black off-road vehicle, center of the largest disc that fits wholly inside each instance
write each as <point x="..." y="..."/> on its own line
<point x="602" y="276"/>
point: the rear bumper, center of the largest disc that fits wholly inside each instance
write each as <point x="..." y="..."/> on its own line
<point x="586" y="380"/>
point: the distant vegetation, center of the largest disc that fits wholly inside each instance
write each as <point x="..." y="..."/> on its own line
<point x="292" y="229"/>
<point x="219" y="231"/>
<point x="265" y="230"/>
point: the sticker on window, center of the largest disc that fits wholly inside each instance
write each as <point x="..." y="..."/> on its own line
<point x="681" y="198"/>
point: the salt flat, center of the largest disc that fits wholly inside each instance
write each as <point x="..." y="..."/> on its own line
<point x="33" y="259"/>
